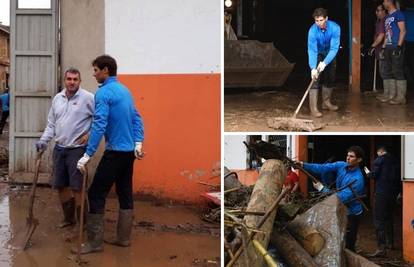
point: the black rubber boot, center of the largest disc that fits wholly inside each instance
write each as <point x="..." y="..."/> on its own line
<point x="95" y="232"/>
<point x="68" y="208"/>
<point x="124" y="228"/>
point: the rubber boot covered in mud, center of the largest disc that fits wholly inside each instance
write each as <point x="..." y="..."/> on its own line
<point x="95" y="232"/>
<point x="68" y="208"/>
<point x="313" y="103"/>
<point x="124" y="227"/>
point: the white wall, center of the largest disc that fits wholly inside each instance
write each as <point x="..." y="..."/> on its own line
<point x="408" y="153"/>
<point x="164" y="36"/>
<point x="235" y="152"/>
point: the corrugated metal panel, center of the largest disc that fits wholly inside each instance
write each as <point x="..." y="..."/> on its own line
<point x="33" y="83"/>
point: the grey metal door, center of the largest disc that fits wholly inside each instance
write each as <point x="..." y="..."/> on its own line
<point x="33" y="83"/>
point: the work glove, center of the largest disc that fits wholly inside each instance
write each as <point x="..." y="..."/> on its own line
<point x="397" y="51"/>
<point x="371" y="51"/>
<point x="382" y="54"/>
<point x="41" y="146"/>
<point x="138" y="150"/>
<point x="321" y="66"/>
<point x="318" y="186"/>
<point x="297" y="163"/>
<point x="314" y="74"/>
<point x="82" y="162"/>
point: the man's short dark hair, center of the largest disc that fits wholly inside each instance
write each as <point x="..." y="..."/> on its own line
<point x="106" y="61"/>
<point x="382" y="147"/>
<point x="320" y="12"/>
<point x="73" y="71"/>
<point x="358" y="151"/>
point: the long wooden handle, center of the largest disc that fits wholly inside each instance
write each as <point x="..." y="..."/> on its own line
<point x="85" y="178"/>
<point x="33" y="190"/>
<point x="375" y="76"/>
<point x="303" y="98"/>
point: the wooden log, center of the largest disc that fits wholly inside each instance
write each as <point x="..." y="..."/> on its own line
<point x="310" y="238"/>
<point x="292" y="252"/>
<point x="265" y="191"/>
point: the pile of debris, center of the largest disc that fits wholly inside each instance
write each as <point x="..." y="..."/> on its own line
<point x="261" y="227"/>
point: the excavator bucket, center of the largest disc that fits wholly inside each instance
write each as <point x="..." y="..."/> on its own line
<point x="250" y="63"/>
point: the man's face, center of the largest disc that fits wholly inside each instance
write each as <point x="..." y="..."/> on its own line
<point x="380" y="152"/>
<point x="380" y="12"/>
<point x="352" y="160"/>
<point x="321" y="22"/>
<point x="100" y="75"/>
<point x="72" y="82"/>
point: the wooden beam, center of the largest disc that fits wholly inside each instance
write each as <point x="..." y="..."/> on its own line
<point x="302" y="155"/>
<point x="356" y="46"/>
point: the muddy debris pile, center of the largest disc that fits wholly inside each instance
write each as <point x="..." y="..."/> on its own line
<point x="264" y="226"/>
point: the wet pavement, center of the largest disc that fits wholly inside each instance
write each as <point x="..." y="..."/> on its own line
<point x="249" y="111"/>
<point x="162" y="235"/>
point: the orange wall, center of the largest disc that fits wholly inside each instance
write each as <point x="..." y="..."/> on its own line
<point x="181" y="116"/>
<point x="408" y="216"/>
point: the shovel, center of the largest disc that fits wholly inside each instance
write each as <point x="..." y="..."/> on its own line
<point x="81" y="222"/>
<point x="23" y="237"/>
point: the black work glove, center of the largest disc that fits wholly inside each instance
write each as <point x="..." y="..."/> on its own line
<point x="371" y="51"/>
<point x="382" y="53"/>
<point x="397" y="52"/>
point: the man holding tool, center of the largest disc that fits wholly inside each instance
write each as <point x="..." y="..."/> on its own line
<point x="375" y="48"/>
<point x="393" y="55"/>
<point x="68" y="122"/>
<point x="323" y="45"/>
<point x="347" y="173"/>
<point x="117" y="119"/>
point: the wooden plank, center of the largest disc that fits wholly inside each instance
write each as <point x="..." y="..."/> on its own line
<point x="302" y="155"/>
<point x="356" y="46"/>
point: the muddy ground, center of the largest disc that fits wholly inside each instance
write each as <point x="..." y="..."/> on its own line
<point x="163" y="235"/>
<point x="248" y="110"/>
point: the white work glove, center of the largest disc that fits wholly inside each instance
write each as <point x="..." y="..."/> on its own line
<point x="82" y="162"/>
<point x="321" y="66"/>
<point x="318" y="186"/>
<point x="314" y="74"/>
<point x="138" y="150"/>
<point x="366" y="170"/>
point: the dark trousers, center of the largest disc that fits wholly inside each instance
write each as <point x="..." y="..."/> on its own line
<point x="383" y="219"/>
<point x="114" y="167"/>
<point x="352" y="231"/>
<point x="4" y="116"/>
<point x="393" y="66"/>
<point x="327" y="77"/>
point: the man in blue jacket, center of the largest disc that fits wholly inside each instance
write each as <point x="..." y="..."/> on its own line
<point x="385" y="174"/>
<point x="323" y="45"/>
<point x="117" y="119"/>
<point x="346" y="173"/>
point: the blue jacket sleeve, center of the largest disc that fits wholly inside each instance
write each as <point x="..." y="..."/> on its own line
<point x="100" y="121"/>
<point x="346" y="194"/>
<point x="312" y="48"/>
<point x="318" y="169"/>
<point x="137" y="126"/>
<point x="334" y="45"/>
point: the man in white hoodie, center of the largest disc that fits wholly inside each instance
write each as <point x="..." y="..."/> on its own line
<point x="68" y="122"/>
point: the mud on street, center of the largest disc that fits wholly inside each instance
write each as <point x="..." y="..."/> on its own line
<point x="163" y="235"/>
<point x="249" y="111"/>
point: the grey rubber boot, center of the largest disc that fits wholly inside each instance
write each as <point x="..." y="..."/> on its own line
<point x="389" y="237"/>
<point x="95" y="232"/>
<point x="124" y="227"/>
<point x="313" y="103"/>
<point x="392" y="90"/>
<point x="385" y="94"/>
<point x="326" y="97"/>
<point x="68" y="208"/>
<point x="401" y="92"/>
